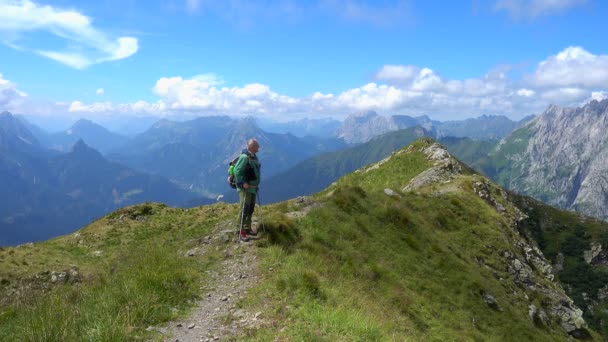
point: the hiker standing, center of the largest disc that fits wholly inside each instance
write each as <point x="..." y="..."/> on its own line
<point x="247" y="178"/>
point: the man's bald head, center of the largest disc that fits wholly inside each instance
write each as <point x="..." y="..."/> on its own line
<point x="253" y="145"/>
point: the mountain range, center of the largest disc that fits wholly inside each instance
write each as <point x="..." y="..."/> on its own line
<point x="195" y="153"/>
<point x="362" y="127"/>
<point x="46" y="193"/>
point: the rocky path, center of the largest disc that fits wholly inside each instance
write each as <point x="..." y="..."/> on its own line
<point x="216" y="316"/>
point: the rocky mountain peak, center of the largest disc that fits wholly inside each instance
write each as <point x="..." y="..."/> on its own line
<point x="82" y="151"/>
<point x="14" y="132"/>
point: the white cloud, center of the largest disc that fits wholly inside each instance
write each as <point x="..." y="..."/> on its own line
<point x="525" y="92"/>
<point x="201" y="93"/>
<point x="598" y="96"/>
<point x="561" y="95"/>
<point x="572" y="67"/>
<point x="396" y="89"/>
<point x="10" y="96"/>
<point x="397" y="73"/>
<point x="86" y="44"/>
<point x="530" y="9"/>
<point x="100" y="92"/>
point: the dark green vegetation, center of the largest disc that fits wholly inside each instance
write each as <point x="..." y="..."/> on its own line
<point x="483" y="127"/>
<point x="501" y="166"/>
<point x="316" y="173"/>
<point x="139" y="278"/>
<point x="559" y="232"/>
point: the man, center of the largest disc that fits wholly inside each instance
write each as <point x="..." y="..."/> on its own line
<point x="247" y="177"/>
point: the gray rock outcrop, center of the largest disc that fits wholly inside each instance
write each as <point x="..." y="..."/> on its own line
<point x="445" y="168"/>
<point x="561" y="157"/>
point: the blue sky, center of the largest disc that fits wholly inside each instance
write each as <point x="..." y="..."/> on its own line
<point x="288" y="59"/>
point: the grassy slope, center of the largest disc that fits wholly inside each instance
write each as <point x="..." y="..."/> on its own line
<point x="363" y="266"/>
<point x="366" y="266"/>
<point x="137" y="281"/>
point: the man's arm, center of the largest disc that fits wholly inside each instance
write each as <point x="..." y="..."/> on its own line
<point x="239" y="171"/>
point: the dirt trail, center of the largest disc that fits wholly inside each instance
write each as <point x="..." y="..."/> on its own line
<point x="216" y="316"/>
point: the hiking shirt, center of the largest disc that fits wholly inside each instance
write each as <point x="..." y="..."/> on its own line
<point x="243" y="174"/>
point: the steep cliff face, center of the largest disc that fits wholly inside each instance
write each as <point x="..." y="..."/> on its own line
<point x="561" y="158"/>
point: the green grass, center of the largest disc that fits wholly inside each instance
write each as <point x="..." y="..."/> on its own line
<point x="141" y="279"/>
<point x="385" y="269"/>
<point x="368" y="267"/>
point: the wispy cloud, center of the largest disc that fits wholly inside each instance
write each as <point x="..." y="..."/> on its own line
<point x="246" y="13"/>
<point x="86" y="45"/>
<point x="531" y="9"/>
<point x="382" y="13"/>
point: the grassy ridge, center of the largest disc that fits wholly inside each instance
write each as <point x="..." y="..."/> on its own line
<point x="140" y="279"/>
<point x="367" y="266"/>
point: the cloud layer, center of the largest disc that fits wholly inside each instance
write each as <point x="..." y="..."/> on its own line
<point x="86" y="44"/>
<point x="568" y="78"/>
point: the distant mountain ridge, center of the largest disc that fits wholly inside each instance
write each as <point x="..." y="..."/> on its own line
<point x="323" y="128"/>
<point x="195" y="153"/>
<point x="364" y="126"/>
<point x="45" y="194"/>
<point x="561" y="158"/>
<point x="93" y="134"/>
<point x="316" y="173"/>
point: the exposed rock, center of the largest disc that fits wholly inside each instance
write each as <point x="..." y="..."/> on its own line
<point x="602" y="293"/>
<point x="482" y="190"/>
<point x="490" y="300"/>
<point x="444" y="169"/>
<point x="593" y="252"/>
<point x="97" y="253"/>
<point x="538" y="316"/>
<point x="194" y="252"/>
<point x="559" y="263"/>
<point x="571" y="317"/>
<point x="558" y="305"/>
<point x="390" y="192"/>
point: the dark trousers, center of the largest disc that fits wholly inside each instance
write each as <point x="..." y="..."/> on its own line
<point x="247" y="203"/>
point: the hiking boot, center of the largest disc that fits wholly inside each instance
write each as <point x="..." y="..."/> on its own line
<point x="251" y="232"/>
<point x="243" y="236"/>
